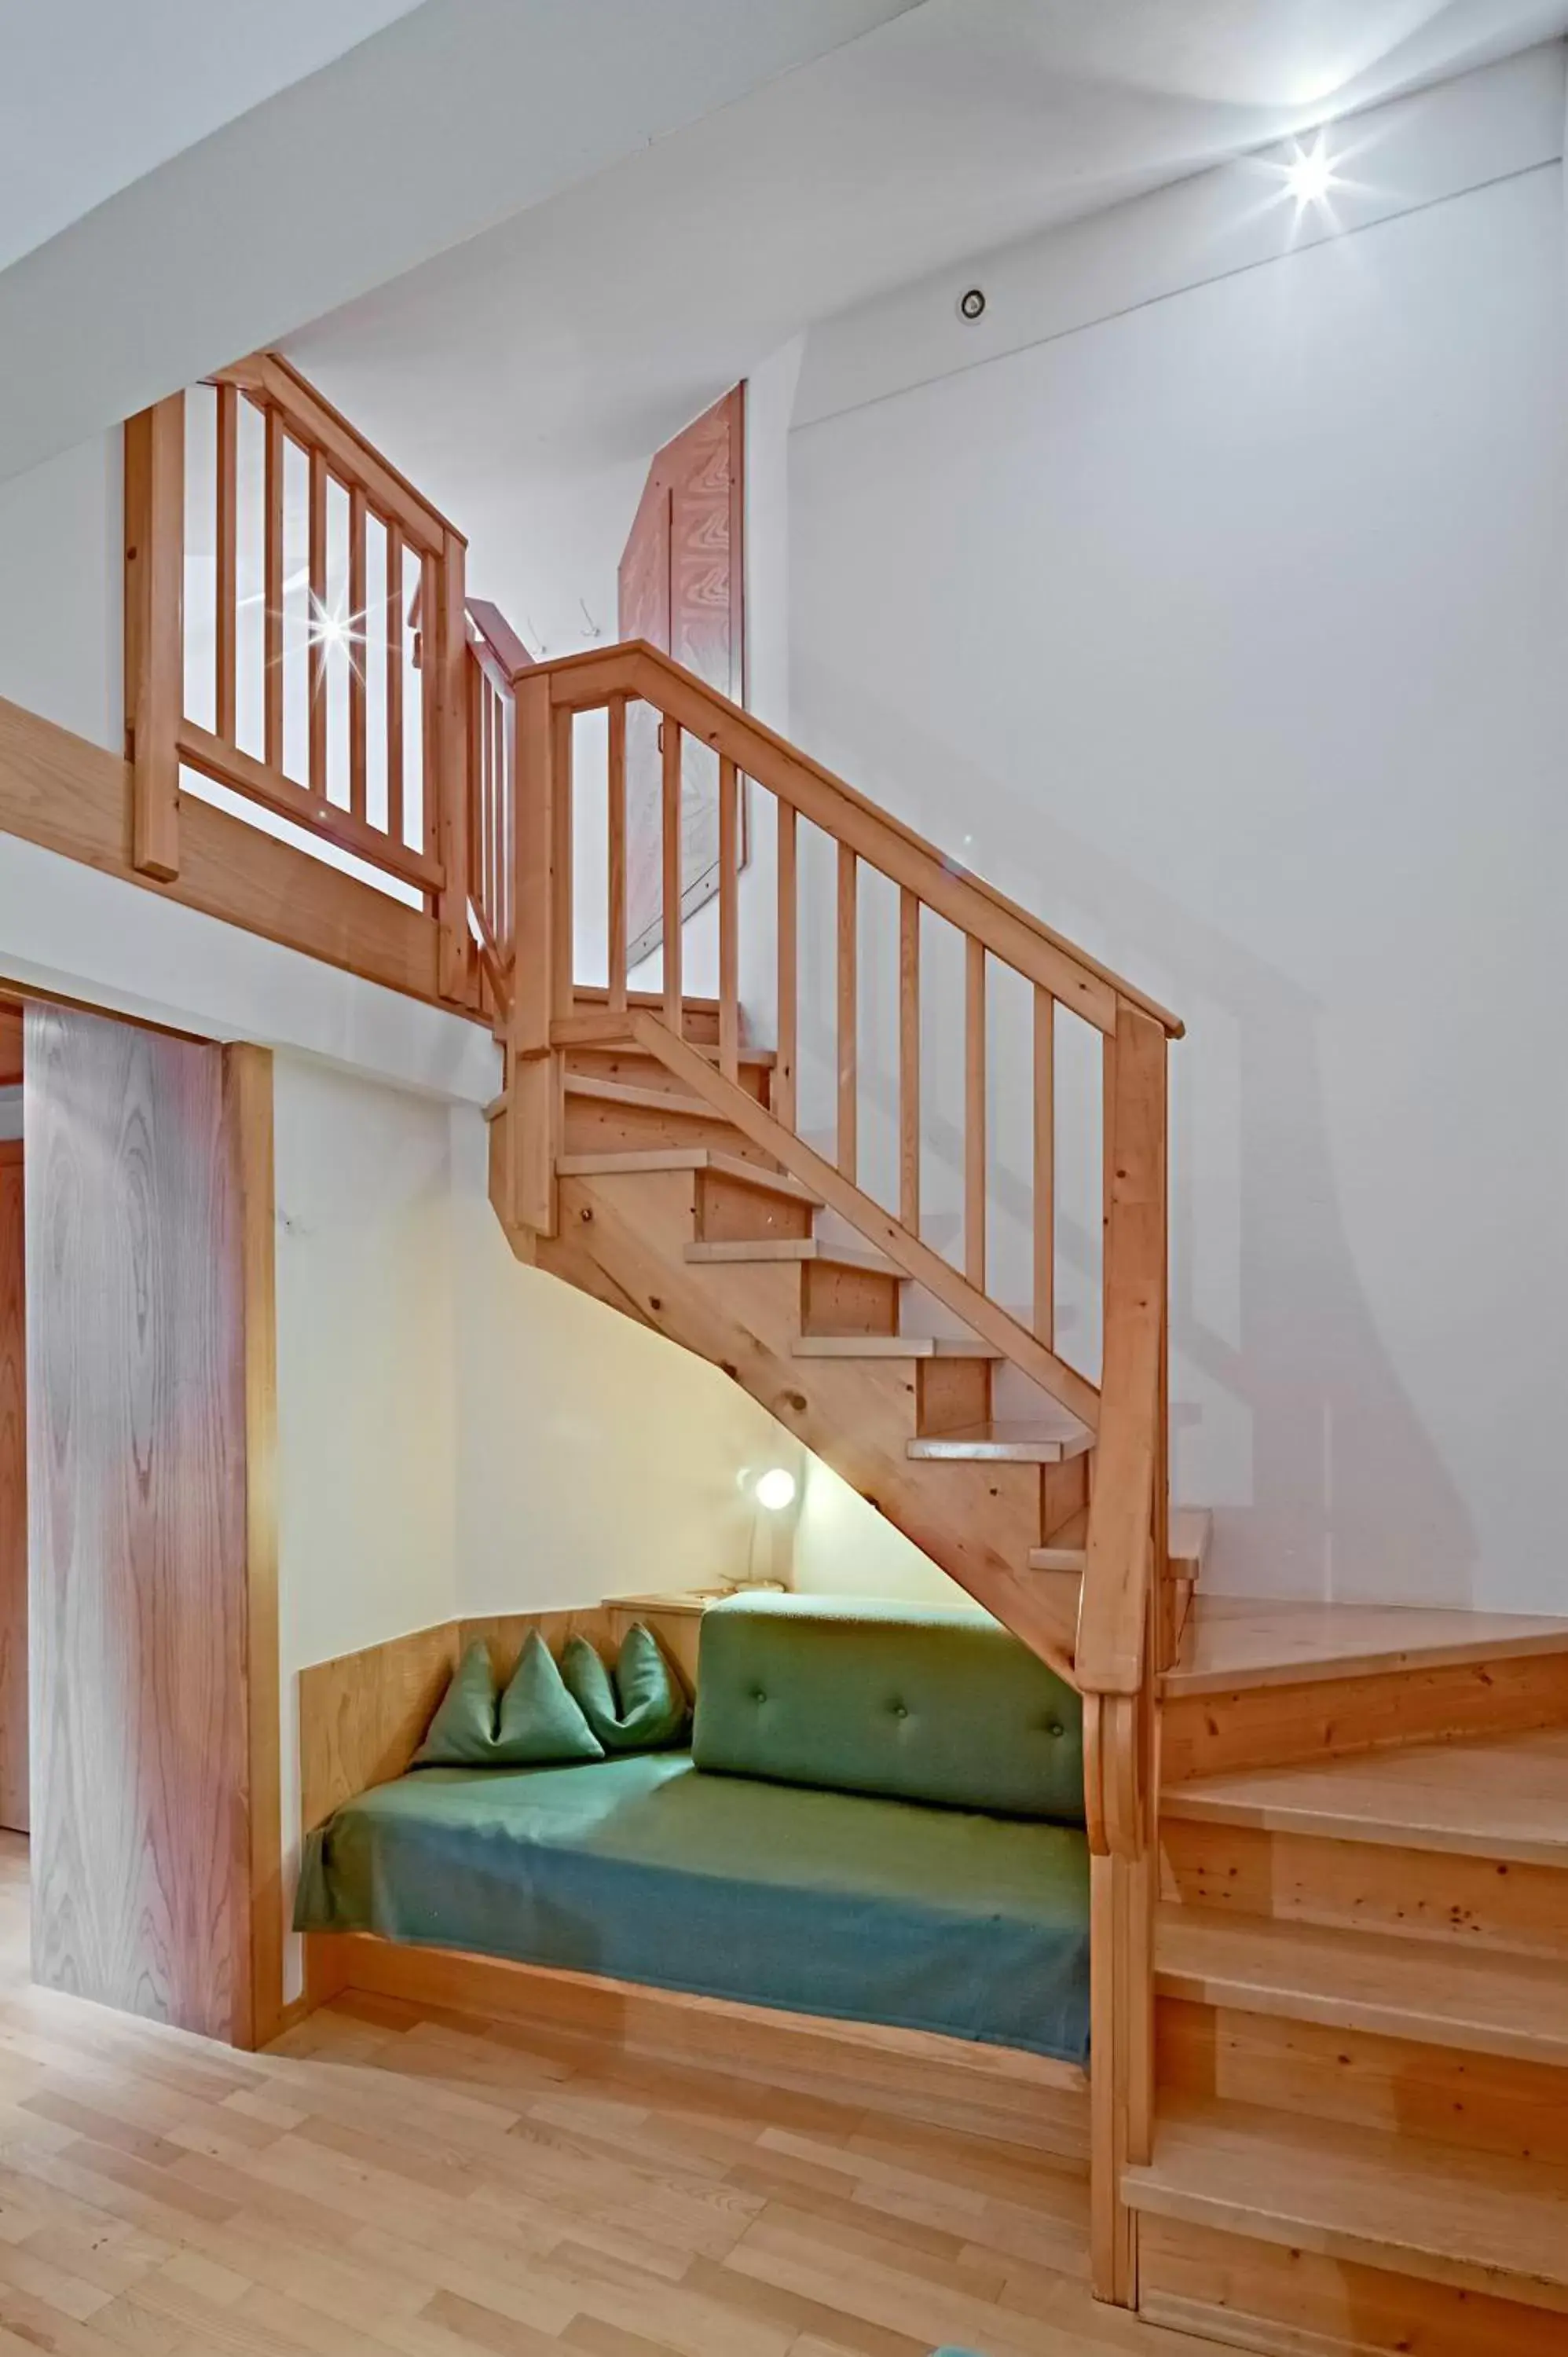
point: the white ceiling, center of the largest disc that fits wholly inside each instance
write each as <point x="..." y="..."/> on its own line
<point x="95" y="92"/>
<point x="579" y="334"/>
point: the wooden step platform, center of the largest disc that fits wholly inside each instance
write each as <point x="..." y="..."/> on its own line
<point x="892" y="1346"/>
<point x="1434" y="1993"/>
<point x="643" y="1161"/>
<point x="1477" y="2220"/>
<point x="1236" y="1641"/>
<point x="1503" y="1798"/>
<point x="1005" y="1441"/>
<point x="796" y="1248"/>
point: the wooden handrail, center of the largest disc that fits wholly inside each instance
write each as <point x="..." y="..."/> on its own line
<point x="581" y="681"/>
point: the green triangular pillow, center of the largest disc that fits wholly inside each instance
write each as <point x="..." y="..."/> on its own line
<point x="463" y="1732"/>
<point x="540" y="1720"/>
<point x="642" y="1708"/>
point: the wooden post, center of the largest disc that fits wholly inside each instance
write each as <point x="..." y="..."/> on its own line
<point x="534" y="1103"/>
<point x="446" y="661"/>
<point x="848" y="1013"/>
<point x="155" y="631"/>
<point x="909" y="1061"/>
<point x="226" y="563"/>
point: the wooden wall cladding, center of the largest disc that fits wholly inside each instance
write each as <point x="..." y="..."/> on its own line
<point x="137" y="1479"/>
<point x="13" y="1495"/>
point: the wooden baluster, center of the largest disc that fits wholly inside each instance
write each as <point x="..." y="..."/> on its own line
<point x="534" y="1102"/>
<point x="617" y="828"/>
<point x="729" y="920"/>
<point x="848" y="1013"/>
<point x="909" y="1061"/>
<point x="272" y="593"/>
<point x="784" y="1090"/>
<point x="479" y="787"/>
<point x="154" y="630"/>
<point x="1045" y="1166"/>
<point x="563" y="932"/>
<point x="316" y="644"/>
<point x="672" y="816"/>
<point x="394" y="682"/>
<point x="227" y="563"/>
<point x="506" y="815"/>
<point x="445" y="776"/>
<point x="429" y="700"/>
<point x="975" y="1154"/>
<point x="358" y="755"/>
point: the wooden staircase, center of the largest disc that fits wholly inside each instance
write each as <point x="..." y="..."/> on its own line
<point x="1361" y="2108"/>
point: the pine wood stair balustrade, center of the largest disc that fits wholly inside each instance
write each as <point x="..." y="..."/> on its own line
<point x="648" y="1152"/>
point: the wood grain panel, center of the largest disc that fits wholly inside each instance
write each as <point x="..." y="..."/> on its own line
<point x="1271" y="1726"/>
<point x="13" y="1493"/>
<point x="1298" y="2304"/>
<point x="362" y="1716"/>
<point x="137" y="1479"/>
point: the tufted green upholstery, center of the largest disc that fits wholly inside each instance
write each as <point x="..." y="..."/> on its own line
<point x="909" y="1702"/>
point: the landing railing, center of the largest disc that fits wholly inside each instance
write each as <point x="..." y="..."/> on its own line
<point x="295" y="637"/>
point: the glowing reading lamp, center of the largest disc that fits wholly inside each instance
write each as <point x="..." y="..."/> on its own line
<point x="775" y="1490"/>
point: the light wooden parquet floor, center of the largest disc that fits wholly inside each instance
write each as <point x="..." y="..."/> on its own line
<point x="389" y="2179"/>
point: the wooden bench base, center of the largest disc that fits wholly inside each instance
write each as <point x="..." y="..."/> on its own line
<point x="1021" y="2099"/>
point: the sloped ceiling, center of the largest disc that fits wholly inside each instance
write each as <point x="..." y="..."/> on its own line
<point x="585" y="330"/>
<point x="452" y="117"/>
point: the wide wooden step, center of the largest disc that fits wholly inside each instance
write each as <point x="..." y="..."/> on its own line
<point x="626" y="1093"/>
<point x="649" y="1160"/>
<point x="796" y="1248"/>
<point x="1482" y="2221"/>
<point x="1005" y="1441"/>
<point x="1189" y="1545"/>
<point x="891" y="1346"/>
<point x="1502" y="1797"/>
<point x="1482" y="2003"/>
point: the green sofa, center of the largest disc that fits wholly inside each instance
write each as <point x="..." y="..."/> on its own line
<point x="880" y="1818"/>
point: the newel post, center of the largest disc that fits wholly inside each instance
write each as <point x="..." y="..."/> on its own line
<point x="533" y="1076"/>
<point x="155" y="631"/>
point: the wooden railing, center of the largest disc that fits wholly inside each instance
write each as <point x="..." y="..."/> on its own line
<point x="330" y="577"/>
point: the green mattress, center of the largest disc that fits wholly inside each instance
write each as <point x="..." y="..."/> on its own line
<point x="646" y="1869"/>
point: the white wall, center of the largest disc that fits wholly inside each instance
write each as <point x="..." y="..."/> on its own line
<point x="62" y="554"/>
<point x="1226" y="630"/>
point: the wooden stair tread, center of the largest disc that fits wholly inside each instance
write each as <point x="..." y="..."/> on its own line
<point x="1066" y="1548"/>
<point x="1187" y="1544"/>
<point x="1237" y="1641"/>
<point x="891" y="1346"/>
<point x="1445" y="2212"/>
<point x="636" y="1163"/>
<point x="1503" y="1797"/>
<point x="1482" y="2002"/>
<point x="626" y="1093"/>
<point x="1005" y="1441"/>
<point x="797" y="1248"/>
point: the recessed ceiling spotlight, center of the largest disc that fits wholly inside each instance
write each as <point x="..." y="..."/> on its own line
<point x="1310" y="174"/>
<point x="972" y="304"/>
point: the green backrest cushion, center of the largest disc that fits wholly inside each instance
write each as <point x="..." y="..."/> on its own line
<point x="912" y="1702"/>
<point x="534" y="1724"/>
<point x="641" y="1707"/>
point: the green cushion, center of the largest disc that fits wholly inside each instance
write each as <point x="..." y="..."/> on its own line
<point x="463" y="1732"/>
<point x="642" y="1708"/>
<point x="917" y="1703"/>
<point x="644" y="1870"/>
<point x="539" y="1723"/>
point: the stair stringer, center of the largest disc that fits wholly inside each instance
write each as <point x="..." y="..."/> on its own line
<point x="622" y="1239"/>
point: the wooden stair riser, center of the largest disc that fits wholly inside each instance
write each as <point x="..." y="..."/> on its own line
<point x="623" y="1239"/>
<point x="839" y="1300"/>
<point x="634" y="1069"/>
<point x="1271" y="1726"/>
<point x="1488" y="2103"/>
<point x="726" y="1210"/>
<point x="950" y="1394"/>
<point x="1418" y="1893"/>
<point x="1263" y="2295"/>
<point x="592" y="1126"/>
<point x="699" y="1017"/>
